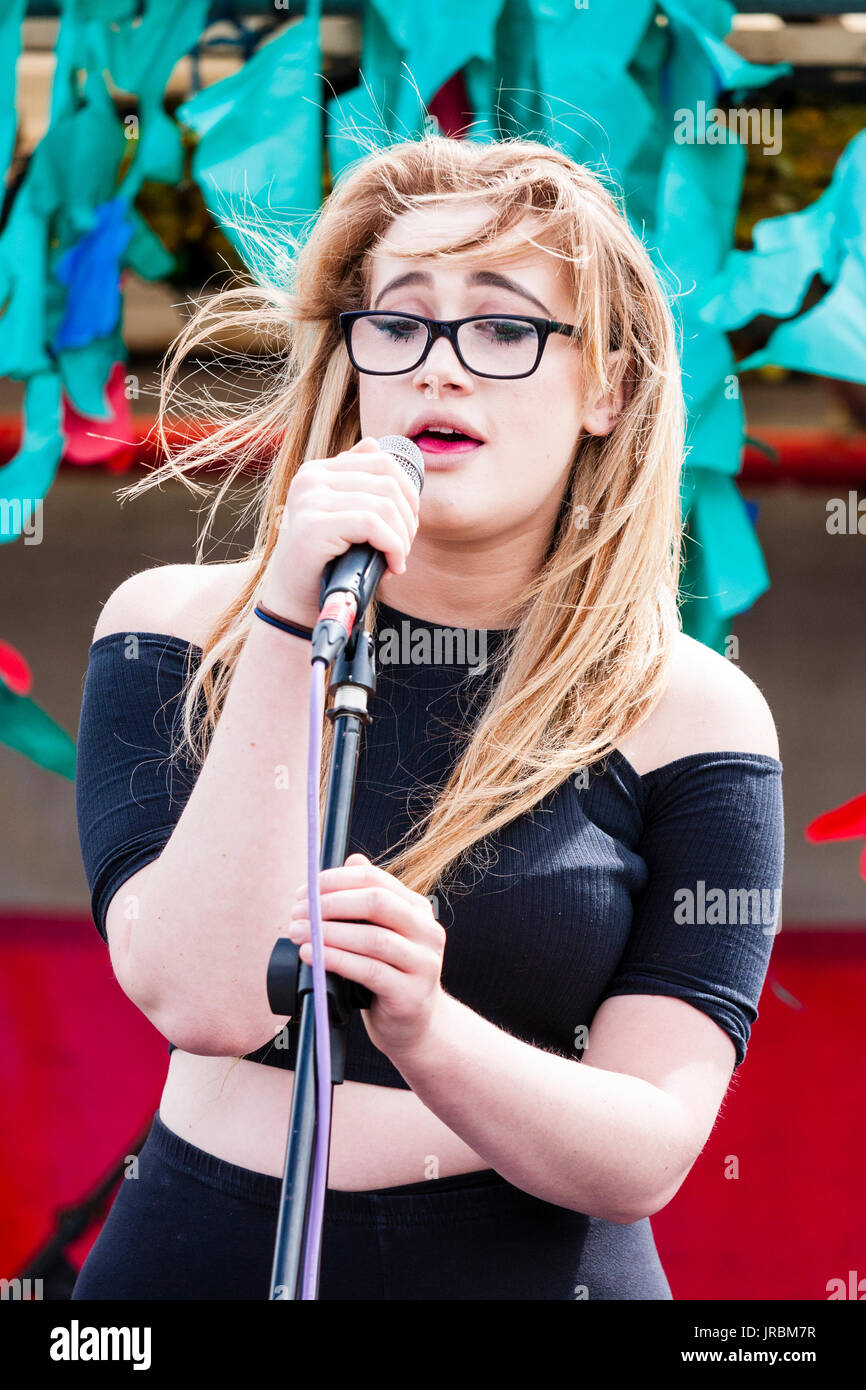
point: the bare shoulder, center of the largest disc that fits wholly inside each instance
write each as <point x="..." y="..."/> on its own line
<point x="710" y="705"/>
<point x="179" y="600"/>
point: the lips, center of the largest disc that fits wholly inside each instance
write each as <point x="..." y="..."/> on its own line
<point x="444" y="444"/>
<point x="439" y="435"/>
<point x="426" y="429"/>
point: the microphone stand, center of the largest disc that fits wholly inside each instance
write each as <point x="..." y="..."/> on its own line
<point x="290" y="980"/>
<point x="340" y="640"/>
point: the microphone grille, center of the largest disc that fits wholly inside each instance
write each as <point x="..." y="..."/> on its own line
<point x="407" y="454"/>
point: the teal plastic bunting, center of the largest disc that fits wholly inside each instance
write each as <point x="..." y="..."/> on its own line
<point x="608" y="81"/>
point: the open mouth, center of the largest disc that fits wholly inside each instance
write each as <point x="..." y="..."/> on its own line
<point x="446" y="441"/>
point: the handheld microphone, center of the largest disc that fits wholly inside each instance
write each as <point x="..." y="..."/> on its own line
<point x="349" y="580"/>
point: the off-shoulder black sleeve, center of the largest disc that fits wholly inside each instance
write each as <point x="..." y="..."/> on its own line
<point x="129" y="794"/>
<point x="704" y="925"/>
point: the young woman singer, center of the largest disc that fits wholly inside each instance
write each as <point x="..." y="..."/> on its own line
<point x="541" y="837"/>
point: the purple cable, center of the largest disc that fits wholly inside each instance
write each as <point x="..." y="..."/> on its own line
<point x="313" y="1229"/>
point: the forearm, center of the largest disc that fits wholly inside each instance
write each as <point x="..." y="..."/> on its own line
<point x="600" y="1142"/>
<point x="221" y="891"/>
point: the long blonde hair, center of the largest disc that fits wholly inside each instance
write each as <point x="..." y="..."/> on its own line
<point x="588" y="660"/>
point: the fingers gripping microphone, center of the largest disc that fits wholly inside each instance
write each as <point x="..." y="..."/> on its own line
<point x="349" y="580"/>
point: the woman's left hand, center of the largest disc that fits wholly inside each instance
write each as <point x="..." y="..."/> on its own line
<point x="382" y="935"/>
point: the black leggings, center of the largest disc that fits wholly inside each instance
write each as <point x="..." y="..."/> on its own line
<point x="193" y="1226"/>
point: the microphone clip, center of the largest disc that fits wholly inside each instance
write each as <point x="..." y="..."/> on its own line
<point x="348" y="584"/>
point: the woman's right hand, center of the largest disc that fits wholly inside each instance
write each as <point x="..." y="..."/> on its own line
<point x="359" y="496"/>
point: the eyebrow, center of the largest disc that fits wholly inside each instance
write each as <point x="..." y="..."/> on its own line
<point x="478" y="277"/>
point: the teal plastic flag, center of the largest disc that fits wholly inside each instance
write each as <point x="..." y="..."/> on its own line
<point x="826" y="239"/>
<point x="11" y="19"/>
<point x="408" y="51"/>
<point x="85" y="373"/>
<point x="29" y="730"/>
<point x="26" y="478"/>
<point x="259" y="153"/>
<point x="586" y="100"/>
<point x="829" y="339"/>
<point x="698" y="194"/>
<point x="23" y="340"/>
<point x="141" y="54"/>
<point x="719" y="581"/>
<point x="705" y="23"/>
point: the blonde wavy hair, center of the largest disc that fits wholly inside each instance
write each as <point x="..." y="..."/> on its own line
<point x="588" y="659"/>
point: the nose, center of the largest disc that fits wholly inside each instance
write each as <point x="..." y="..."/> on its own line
<point x="443" y="363"/>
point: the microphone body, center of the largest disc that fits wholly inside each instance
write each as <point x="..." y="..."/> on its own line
<point x="350" y="580"/>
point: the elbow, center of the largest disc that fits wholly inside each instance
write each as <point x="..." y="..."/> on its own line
<point x="644" y="1204"/>
<point x="638" y="1213"/>
<point x="619" y="1217"/>
<point x="641" y="1194"/>
<point x="208" y="1033"/>
<point x="191" y="1030"/>
<point x="191" y="1025"/>
<point x="666" y="1195"/>
<point x="200" y="1036"/>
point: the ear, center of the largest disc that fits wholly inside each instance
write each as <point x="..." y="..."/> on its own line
<point x="604" y="412"/>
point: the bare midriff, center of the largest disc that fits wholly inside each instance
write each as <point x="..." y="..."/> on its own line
<point x="381" y="1136"/>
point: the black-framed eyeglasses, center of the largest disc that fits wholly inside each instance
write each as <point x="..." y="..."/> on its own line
<point x="385" y="343"/>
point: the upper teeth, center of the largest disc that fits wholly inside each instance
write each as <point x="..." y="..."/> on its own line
<point x="442" y="429"/>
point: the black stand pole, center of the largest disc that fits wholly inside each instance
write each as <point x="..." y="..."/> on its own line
<point x="290" y="980"/>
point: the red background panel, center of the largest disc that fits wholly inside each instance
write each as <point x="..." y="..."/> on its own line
<point x="82" y="1071"/>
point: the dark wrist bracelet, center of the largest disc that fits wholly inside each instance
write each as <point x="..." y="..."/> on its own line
<point x="296" y="629"/>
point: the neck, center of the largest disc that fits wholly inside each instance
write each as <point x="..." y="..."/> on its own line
<point x="482" y="588"/>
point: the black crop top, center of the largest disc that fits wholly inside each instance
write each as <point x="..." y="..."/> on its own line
<point x="615" y="883"/>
